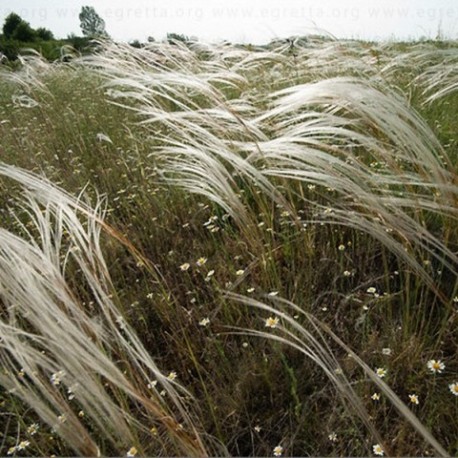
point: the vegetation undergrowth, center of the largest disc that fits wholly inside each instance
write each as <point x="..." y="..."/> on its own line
<point x="211" y="250"/>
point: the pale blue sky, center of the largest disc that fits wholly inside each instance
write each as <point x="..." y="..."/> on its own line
<point x="256" y="21"/>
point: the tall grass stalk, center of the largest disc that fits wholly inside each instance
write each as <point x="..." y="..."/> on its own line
<point x="310" y="340"/>
<point x="307" y="171"/>
<point x="47" y="329"/>
<point x="382" y="160"/>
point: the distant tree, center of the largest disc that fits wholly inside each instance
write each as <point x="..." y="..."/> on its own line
<point x="24" y="32"/>
<point x="15" y="28"/>
<point x="17" y="34"/>
<point x="10" y="25"/>
<point x="92" y="25"/>
<point x="44" y="34"/>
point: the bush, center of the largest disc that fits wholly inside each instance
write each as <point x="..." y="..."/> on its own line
<point x="44" y="34"/>
<point x="11" y="23"/>
<point x="24" y="32"/>
<point x="10" y="48"/>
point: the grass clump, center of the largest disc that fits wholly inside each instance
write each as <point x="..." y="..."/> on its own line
<point x="238" y="229"/>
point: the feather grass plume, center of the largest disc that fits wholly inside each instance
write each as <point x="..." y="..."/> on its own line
<point x="46" y="330"/>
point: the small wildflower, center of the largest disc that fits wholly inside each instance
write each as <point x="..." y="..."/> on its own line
<point x="414" y="399"/>
<point x="71" y="391"/>
<point x="245" y="345"/>
<point x="11" y="450"/>
<point x="153" y="431"/>
<point x="149" y="295"/>
<point x="435" y="366"/>
<point x="204" y="322"/>
<point x="378" y="450"/>
<point x="185" y="266"/>
<point x="239" y="273"/>
<point x="250" y="290"/>
<point x="332" y="437"/>
<point x="32" y="429"/>
<point x="455" y="300"/>
<point x="341" y="247"/>
<point x="81" y="414"/>
<point x="23" y="445"/>
<point x="386" y="351"/>
<point x="453" y="387"/>
<point x="121" y="322"/>
<point x="381" y="372"/>
<point x="371" y="290"/>
<point x="152" y="384"/>
<point x="257" y="428"/>
<point x="347" y="273"/>
<point x="278" y="450"/>
<point x="132" y="452"/>
<point x="210" y="273"/>
<point x="271" y="322"/>
<point x="172" y="375"/>
<point x="62" y="418"/>
<point x="57" y="378"/>
<point x="201" y="261"/>
<point x="375" y="397"/>
<point x="273" y="293"/>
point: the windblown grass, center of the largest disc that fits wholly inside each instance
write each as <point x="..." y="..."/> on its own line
<point x="369" y="146"/>
<point x="47" y="329"/>
<point x="315" y="171"/>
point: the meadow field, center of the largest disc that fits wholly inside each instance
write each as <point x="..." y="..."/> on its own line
<point x="220" y="250"/>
